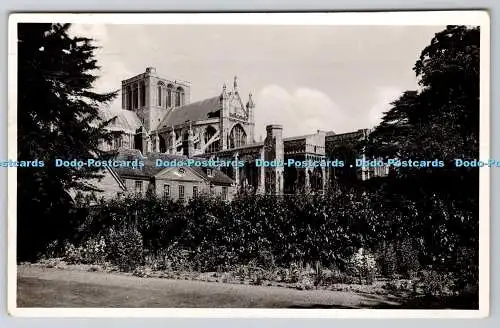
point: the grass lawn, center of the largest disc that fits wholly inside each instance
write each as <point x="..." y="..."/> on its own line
<point x="51" y="287"/>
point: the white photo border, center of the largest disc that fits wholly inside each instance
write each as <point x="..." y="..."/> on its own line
<point x="418" y="18"/>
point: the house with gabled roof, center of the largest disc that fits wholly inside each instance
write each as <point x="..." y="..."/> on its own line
<point x="177" y="183"/>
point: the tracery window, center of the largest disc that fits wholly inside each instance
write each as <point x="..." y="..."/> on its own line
<point x="209" y="133"/>
<point x="160" y="89"/>
<point x="169" y="95"/>
<point x="237" y="137"/>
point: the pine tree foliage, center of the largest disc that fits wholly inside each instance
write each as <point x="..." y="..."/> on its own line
<point x="57" y="118"/>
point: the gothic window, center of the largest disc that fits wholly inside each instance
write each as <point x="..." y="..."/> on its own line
<point x="135" y="96"/>
<point x="185" y="144"/>
<point x="160" y="93"/>
<point x="209" y="133"/>
<point x="179" y="97"/>
<point x="163" y="144"/>
<point x="238" y="137"/>
<point x="142" y="91"/>
<point x="129" y="98"/>
<point x="169" y="95"/>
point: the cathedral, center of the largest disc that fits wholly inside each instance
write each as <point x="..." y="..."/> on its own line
<point x="158" y="120"/>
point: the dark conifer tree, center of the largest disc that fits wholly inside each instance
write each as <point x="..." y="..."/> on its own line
<point x="57" y="118"/>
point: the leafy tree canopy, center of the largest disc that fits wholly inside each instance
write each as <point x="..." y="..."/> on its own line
<point x="442" y="119"/>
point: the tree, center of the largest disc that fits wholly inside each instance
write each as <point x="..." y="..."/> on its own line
<point x="448" y="71"/>
<point x="57" y="118"/>
<point x="392" y="138"/>
<point x="441" y="120"/>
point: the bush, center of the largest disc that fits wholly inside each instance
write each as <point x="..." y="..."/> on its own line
<point x="178" y="259"/>
<point x="387" y="260"/>
<point x="92" y="251"/>
<point x="125" y="248"/>
<point x="363" y="265"/>
<point x="437" y="284"/>
<point x="408" y="262"/>
<point x="255" y="233"/>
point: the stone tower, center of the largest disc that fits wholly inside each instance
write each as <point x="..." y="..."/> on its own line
<point x="274" y="151"/>
<point x="151" y="97"/>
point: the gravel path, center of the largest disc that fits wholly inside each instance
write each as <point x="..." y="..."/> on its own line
<point x="50" y="287"/>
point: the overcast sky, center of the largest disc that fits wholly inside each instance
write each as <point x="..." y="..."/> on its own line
<point x="338" y="78"/>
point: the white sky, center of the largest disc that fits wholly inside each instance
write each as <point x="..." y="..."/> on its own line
<point x="338" y="78"/>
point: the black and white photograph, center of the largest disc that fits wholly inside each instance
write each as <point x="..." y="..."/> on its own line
<point x="311" y="164"/>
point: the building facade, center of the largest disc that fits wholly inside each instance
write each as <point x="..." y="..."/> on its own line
<point x="157" y="118"/>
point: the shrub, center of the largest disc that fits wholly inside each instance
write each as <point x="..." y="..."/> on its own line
<point x="466" y="277"/>
<point x="387" y="259"/>
<point x="73" y="255"/>
<point x="92" y="251"/>
<point x="437" y="284"/>
<point x="125" y="248"/>
<point x="178" y="259"/>
<point x="408" y="262"/>
<point x="363" y="265"/>
<point x="53" y="250"/>
<point x="264" y="232"/>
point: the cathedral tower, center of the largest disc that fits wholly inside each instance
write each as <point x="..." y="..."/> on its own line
<point x="151" y="97"/>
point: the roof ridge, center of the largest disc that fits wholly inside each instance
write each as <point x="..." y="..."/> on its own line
<point x="195" y="102"/>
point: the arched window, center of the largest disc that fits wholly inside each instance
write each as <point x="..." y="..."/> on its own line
<point x="185" y="145"/>
<point x="129" y="98"/>
<point x="169" y="95"/>
<point x="135" y="96"/>
<point x="209" y="133"/>
<point x="160" y="89"/>
<point x="142" y="91"/>
<point x="179" y="97"/>
<point x="237" y="137"/>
